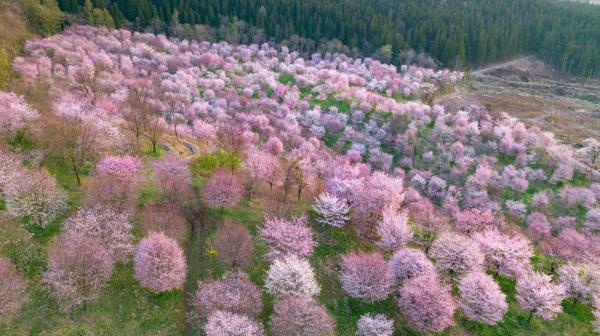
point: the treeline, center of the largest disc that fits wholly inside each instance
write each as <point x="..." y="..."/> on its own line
<point x="458" y="33"/>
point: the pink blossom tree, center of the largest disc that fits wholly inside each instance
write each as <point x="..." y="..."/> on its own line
<point x="393" y="229"/>
<point x="223" y="189"/>
<point x="456" y="255"/>
<point x="538" y="225"/>
<point x="591" y="224"/>
<point x="234" y="244"/>
<point x="300" y="316"/>
<point x="407" y="263"/>
<point x="222" y="323"/>
<point x="287" y="237"/>
<point x="117" y="182"/>
<point x="259" y="166"/>
<point x="481" y="298"/>
<point x="581" y="281"/>
<point x="508" y="254"/>
<point x="374" y="325"/>
<point x="474" y="220"/>
<point x="274" y="145"/>
<point x="36" y="196"/>
<point x="159" y="263"/>
<point x="427" y="304"/>
<point x="15" y="113"/>
<point x="166" y="218"/>
<point x="234" y="293"/>
<point x="291" y="276"/>
<point x="172" y="178"/>
<point x="366" y="277"/>
<point x="540" y="201"/>
<point x="13" y="290"/>
<point x="539" y="296"/>
<point x="373" y="194"/>
<point x="424" y="213"/>
<point x="78" y="267"/>
<point x="331" y="210"/>
<point x="110" y="228"/>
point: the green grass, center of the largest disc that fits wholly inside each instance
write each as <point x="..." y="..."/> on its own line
<point x="575" y="320"/>
<point x="123" y="308"/>
<point x="343" y="106"/>
<point x="286" y="78"/>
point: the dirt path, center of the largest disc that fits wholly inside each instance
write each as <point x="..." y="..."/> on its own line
<point x="482" y="71"/>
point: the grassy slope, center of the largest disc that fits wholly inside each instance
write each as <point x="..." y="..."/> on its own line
<point x="126" y="308"/>
<point x="123" y="307"/>
<point x="13" y="33"/>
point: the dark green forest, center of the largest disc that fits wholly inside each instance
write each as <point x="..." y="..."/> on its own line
<point x="457" y="33"/>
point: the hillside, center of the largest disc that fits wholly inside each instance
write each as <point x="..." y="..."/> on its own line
<point x="456" y="33"/>
<point x="528" y="89"/>
<point x="156" y="186"/>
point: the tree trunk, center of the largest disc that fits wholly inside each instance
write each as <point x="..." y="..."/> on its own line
<point x="76" y="171"/>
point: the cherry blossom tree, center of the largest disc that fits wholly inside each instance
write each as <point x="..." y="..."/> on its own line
<point x="233" y="293"/>
<point x="508" y="254"/>
<point x="570" y="244"/>
<point x="76" y="139"/>
<point x="374" y="325"/>
<point x="35" y="195"/>
<point x="591" y="225"/>
<point x="331" y="210"/>
<point x="274" y="145"/>
<point x="425" y="214"/>
<point x="166" y="218"/>
<point x="259" y="166"/>
<point x="393" y="229"/>
<point x="13" y="290"/>
<point x="538" y="226"/>
<point x="456" y="255"/>
<point x="427" y="304"/>
<point x="374" y="194"/>
<point x="159" y="263"/>
<point x="172" y="178"/>
<point x="539" y="296"/>
<point x="291" y="276"/>
<point x="110" y="228"/>
<point x="234" y="244"/>
<point x="287" y="237"/>
<point x="16" y="113"/>
<point x="300" y="316"/>
<point x="222" y="323"/>
<point x="581" y="281"/>
<point x="223" y="189"/>
<point x="474" y="220"/>
<point x="481" y="299"/>
<point x="366" y="276"/>
<point x="407" y="263"/>
<point x="117" y="182"/>
<point x="78" y="267"/>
